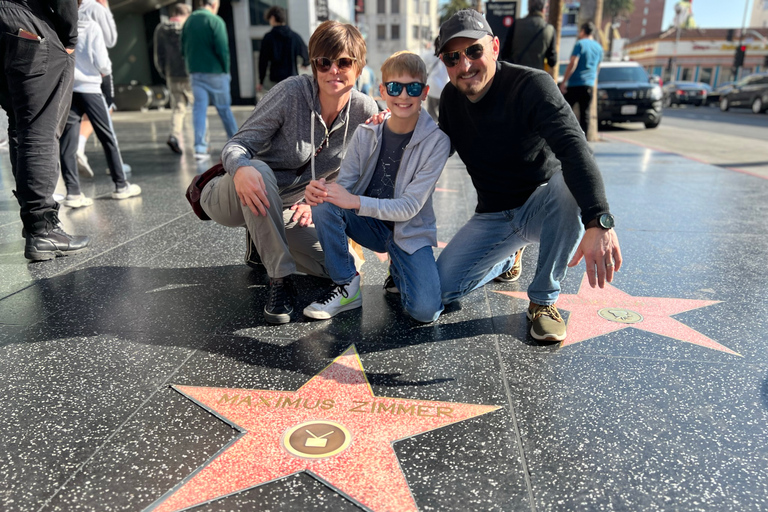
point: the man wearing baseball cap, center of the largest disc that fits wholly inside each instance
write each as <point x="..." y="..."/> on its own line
<point x="533" y="170"/>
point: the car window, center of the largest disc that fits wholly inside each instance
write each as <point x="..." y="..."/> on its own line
<point x="627" y="74"/>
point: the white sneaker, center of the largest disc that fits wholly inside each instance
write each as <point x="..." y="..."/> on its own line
<point x="129" y="190"/>
<point x="83" y="167"/>
<point x="76" y="201"/>
<point x="202" y="156"/>
<point x="341" y="297"/>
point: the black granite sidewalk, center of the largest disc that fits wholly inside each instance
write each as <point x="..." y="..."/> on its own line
<point x="658" y="400"/>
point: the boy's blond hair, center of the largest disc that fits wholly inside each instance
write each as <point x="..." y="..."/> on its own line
<point x="404" y="63"/>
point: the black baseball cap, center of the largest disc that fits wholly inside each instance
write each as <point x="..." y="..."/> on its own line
<point x="466" y="23"/>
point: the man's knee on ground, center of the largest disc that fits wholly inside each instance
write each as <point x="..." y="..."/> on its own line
<point x="424" y="313"/>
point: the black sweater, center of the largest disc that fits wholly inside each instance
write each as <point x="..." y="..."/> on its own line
<point x="279" y="50"/>
<point x="516" y="137"/>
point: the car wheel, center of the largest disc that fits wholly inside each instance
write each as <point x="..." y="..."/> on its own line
<point x="724" y="105"/>
<point x="757" y="105"/>
<point x="653" y="124"/>
<point x="667" y="102"/>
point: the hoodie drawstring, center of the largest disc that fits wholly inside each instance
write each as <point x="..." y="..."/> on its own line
<point x="327" y="139"/>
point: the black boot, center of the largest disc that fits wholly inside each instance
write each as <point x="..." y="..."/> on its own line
<point x="280" y="302"/>
<point x="46" y="239"/>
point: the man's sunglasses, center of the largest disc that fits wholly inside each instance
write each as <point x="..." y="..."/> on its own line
<point x="413" y="89"/>
<point x="324" y="64"/>
<point x="473" y="52"/>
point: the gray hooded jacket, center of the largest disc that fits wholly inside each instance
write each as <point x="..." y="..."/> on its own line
<point x="278" y="134"/>
<point x="422" y="163"/>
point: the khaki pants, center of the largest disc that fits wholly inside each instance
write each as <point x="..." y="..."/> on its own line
<point x="181" y="98"/>
<point x="284" y="246"/>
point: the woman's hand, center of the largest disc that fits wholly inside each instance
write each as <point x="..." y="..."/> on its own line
<point x="339" y="196"/>
<point x="378" y="118"/>
<point x="251" y="190"/>
<point x="302" y="215"/>
<point x="315" y="192"/>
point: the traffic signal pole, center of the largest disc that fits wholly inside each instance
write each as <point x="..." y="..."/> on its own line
<point x="741" y="50"/>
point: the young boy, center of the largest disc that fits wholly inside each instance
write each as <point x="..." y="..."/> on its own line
<point x="383" y="199"/>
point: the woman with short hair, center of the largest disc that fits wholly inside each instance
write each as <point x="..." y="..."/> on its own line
<point x="298" y="132"/>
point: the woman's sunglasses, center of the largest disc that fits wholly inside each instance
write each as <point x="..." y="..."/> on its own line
<point x="473" y="52"/>
<point x="413" y="89"/>
<point x="324" y="64"/>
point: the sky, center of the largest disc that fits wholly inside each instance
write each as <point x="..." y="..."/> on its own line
<point x="707" y="13"/>
<point x="712" y="13"/>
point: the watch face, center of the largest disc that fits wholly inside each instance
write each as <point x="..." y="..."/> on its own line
<point x="606" y="221"/>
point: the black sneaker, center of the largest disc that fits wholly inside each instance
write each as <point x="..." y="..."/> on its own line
<point x="56" y="242"/>
<point x="173" y="143"/>
<point x="280" y="302"/>
<point x="390" y="286"/>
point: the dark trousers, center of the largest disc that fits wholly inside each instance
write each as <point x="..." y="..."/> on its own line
<point x="35" y="90"/>
<point x="581" y="95"/>
<point x="95" y="106"/>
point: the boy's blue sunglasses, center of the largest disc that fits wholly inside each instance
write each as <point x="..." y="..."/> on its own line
<point x="413" y="89"/>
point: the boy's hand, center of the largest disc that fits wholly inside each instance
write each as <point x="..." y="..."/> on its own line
<point x="315" y="192"/>
<point x="302" y="215"/>
<point x="377" y="118"/>
<point x="339" y="196"/>
<point x="250" y="188"/>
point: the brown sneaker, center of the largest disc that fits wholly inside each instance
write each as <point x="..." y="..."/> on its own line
<point x="513" y="274"/>
<point x="546" y="322"/>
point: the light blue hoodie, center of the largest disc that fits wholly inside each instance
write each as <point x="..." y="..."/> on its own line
<point x="422" y="163"/>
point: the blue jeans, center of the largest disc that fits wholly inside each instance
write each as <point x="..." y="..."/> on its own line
<point x="415" y="275"/>
<point x="483" y="247"/>
<point x="211" y="88"/>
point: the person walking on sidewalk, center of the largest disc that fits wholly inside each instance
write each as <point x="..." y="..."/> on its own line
<point x="383" y="199"/>
<point x="578" y="83"/>
<point x="533" y="171"/>
<point x="98" y="11"/>
<point x="300" y="130"/>
<point x="91" y="63"/>
<point x="280" y="48"/>
<point x="169" y="62"/>
<point x="37" y="42"/>
<point x="205" y="45"/>
<point x="531" y="41"/>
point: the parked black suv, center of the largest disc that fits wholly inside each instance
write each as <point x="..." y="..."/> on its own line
<point x="751" y="92"/>
<point x="625" y="93"/>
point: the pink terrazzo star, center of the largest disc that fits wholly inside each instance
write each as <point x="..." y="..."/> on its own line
<point x="332" y="427"/>
<point x="595" y="311"/>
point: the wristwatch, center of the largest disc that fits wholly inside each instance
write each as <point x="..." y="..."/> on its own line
<point x="605" y="221"/>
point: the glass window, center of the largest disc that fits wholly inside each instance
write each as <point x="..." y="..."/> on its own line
<point x="425" y="33"/>
<point x="381" y="6"/>
<point x="705" y="75"/>
<point x="686" y="74"/>
<point x="395" y="31"/>
<point x="622" y="74"/>
<point x="381" y="32"/>
<point x="645" y="12"/>
<point x="415" y="31"/>
<point x="645" y="21"/>
<point x="258" y="8"/>
<point x="642" y="31"/>
<point x="425" y="8"/>
<point x="395" y="6"/>
<point x="416" y="6"/>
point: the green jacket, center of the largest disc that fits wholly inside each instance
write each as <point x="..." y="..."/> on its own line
<point x="205" y="44"/>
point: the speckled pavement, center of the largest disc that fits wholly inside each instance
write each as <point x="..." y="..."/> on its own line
<point x="119" y="367"/>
